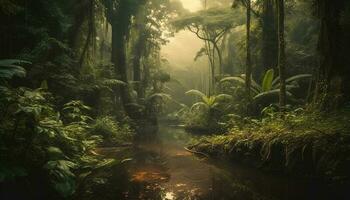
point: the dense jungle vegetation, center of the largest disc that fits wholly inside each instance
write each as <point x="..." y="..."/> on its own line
<point x="90" y="94"/>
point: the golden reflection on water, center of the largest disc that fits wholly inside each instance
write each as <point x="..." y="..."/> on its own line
<point x="169" y="196"/>
<point x="149" y="175"/>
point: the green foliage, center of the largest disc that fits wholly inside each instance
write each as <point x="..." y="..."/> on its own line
<point x="214" y="18"/>
<point x="208" y="102"/>
<point x="267" y="81"/>
<point x="74" y="111"/>
<point x="61" y="176"/>
<point x="269" y="86"/>
<point x="112" y="83"/>
<point x="112" y="131"/>
<point x="11" y="68"/>
<point x="45" y="140"/>
<point x="206" y="112"/>
<point x="161" y="96"/>
<point x="297" y="142"/>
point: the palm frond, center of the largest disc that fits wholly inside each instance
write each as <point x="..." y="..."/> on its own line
<point x="233" y="79"/>
<point x="271" y="93"/>
<point x="162" y="96"/>
<point x="200" y="53"/>
<point x="275" y="82"/>
<point x="255" y="86"/>
<point x="196" y="93"/>
<point x="11" y="67"/>
<point x="113" y="82"/>
<point x="8" y="62"/>
<point x="199" y="104"/>
<point x="241" y="80"/>
<point x="267" y="93"/>
<point x="223" y="97"/>
<point x="298" y="77"/>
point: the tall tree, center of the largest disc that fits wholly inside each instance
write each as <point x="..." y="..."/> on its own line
<point x="119" y="15"/>
<point x="333" y="74"/>
<point x="281" y="53"/>
<point x="248" y="73"/>
<point x="210" y="26"/>
<point x="150" y="23"/>
<point x="269" y="49"/>
<point x="138" y="48"/>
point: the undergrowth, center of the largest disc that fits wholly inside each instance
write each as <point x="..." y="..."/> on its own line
<point x="112" y="132"/>
<point x="48" y="147"/>
<point x="297" y="142"/>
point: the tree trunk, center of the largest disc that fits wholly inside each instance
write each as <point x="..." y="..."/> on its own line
<point x="119" y="61"/>
<point x="248" y="61"/>
<point x="220" y="58"/>
<point x="269" y="37"/>
<point x="281" y="54"/>
<point x="213" y="70"/>
<point x="146" y="79"/>
<point x="331" y="80"/>
<point x="211" y="67"/>
<point x="80" y="7"/>
<point x="138" y="49"/>
<point x="91" y="33"/>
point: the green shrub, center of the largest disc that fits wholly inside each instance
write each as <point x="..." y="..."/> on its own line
<point x="112" y="131"/>
<point x="43" y="141"/>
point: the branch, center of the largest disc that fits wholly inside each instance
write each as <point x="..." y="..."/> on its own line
<point x="245" y="4"/>
<point x="197" y="33"/>
<point x="221" y="34"/>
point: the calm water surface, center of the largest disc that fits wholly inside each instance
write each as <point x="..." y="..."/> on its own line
<point x="162" y="169"/>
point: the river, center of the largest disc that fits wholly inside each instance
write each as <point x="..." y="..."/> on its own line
<point x="162" y="169"/>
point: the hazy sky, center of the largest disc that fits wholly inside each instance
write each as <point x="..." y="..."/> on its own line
<point x="182" y="49"/>
<point x="192" y="5"/>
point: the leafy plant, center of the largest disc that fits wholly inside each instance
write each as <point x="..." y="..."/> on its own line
<point x="43" y="140"/>
<point x="207" y="102"/>
<point x="270" y="85"/>
<point x="112" y="131"/>
<point x="76" y="111"/>
<point x="61" y="176"/>
<point x="207" y="111"/>
<point x="12" y="67"/>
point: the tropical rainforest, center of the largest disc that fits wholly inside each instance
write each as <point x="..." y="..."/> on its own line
<point x="174" y="99"/>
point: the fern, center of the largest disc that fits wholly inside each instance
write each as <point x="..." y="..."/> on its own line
<point x="11" y="67"/>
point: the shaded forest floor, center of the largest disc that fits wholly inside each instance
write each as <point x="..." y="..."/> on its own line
<point x="311" y="145"/>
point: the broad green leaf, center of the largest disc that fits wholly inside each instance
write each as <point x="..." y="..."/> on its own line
<point x="267" y="81"/>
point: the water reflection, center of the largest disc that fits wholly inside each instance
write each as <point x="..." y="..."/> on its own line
<point x="163" y="170"/>
<point x="169" y="196"/>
